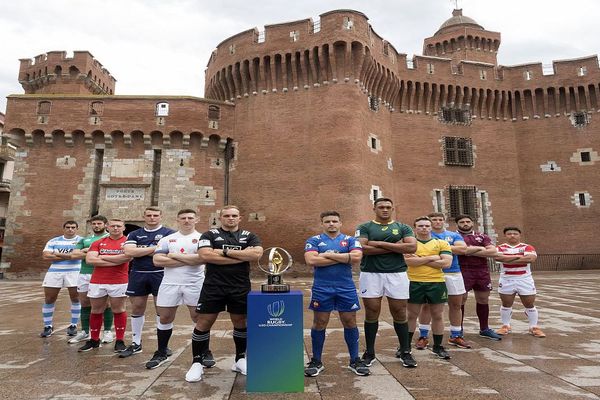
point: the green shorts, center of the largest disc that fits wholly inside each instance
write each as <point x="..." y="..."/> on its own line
<point x="428" y="293"/>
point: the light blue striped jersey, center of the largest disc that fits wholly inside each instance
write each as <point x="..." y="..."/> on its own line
<point x="60" y="244"/>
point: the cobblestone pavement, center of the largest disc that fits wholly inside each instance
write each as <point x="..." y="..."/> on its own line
<point x="564" y="365"/>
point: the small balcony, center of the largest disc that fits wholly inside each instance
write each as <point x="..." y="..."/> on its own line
<point x="7" y="152"/>
<point x="5" y="185"/>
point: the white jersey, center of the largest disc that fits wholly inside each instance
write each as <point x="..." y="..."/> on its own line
<point x="182" y="244"/>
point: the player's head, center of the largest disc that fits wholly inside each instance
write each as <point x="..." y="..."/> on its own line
<point x="152" y="217"/>
<point x="186" y="219"/>
<point x="116" y="227"/>
<point x="437" y="220"/>
<point x="383" y="208"/>
<point x="230" y="217"/>
<point x="512" y="234"/>
<point x="464" y="223"/>
<point x="98" y="223"/>
<point x="70" y="228"/>
<point x="331" y="222"/>
<point x="423" y="226"/>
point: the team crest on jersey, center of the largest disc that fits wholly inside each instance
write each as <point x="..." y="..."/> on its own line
<point x="182" y="250"/>
<point x="395" y="231"/>
<point x="344" y="243"/>
<point x="194" y="241"/>
<point x="448" y="239"/>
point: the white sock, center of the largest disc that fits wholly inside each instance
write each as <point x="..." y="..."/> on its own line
<point x="137" y="324"/>
<point x="532" y="315"/>
<point x="505" y="315"/>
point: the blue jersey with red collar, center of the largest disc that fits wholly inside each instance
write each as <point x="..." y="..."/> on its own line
<point x="450" y="237"/>
<point x="340" y="274"/>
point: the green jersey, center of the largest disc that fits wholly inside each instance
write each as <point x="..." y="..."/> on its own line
<point x="392" y="232"/>
<point x="85" y="243"/>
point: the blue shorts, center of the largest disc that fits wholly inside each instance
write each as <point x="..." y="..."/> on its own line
<point x="330" y="298"/>
<point x="144" y="283"/>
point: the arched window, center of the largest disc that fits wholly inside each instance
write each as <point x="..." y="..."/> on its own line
<point x="162" y="109"/>
<point x="43" y="108"/>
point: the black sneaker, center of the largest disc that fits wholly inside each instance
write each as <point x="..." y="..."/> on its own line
<point x="441" y="352"/>
<point x="157" y="360"/>
<point x="313" y="368"/>
<point x="72" y="330"/>
<point x="120" y="346"/>
<point x="132" y="349"/>
<point x="207" y="360"/>
<point x="359" y="367"/>
<point x="47" y="332"/>
<point x="368" y="358"/>
<point x="407" y="360"/>
<point x="169" y="352"/>
<point x="89" y="345"/>
<point x="399" y="352"/>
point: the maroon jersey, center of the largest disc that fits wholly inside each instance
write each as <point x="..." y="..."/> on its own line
<point x="474" y="239"/>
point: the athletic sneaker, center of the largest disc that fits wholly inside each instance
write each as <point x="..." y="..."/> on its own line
<point x="194" y="374"/>
<point x="157" y="359"/>
<point x="368" y="358"/>
<point x="313" y="368"/>
<point x="422" y="343"/>
<point x="80" y="337"/>
<point x="490" y="334"/>
<point x="207" y="360"/>
<point x="357" y="366"/>
<point x="240" y="366"/>
<point x="169" y="352"/>
<point x="89" y="345"/>
<point x="72" y="330"/>
<point x="459" y="341"/>
<point x="441" y="352"/>
<point x="108" y="337"/>
<point x="120" y="346"/>
<point x="537" y="332"/>
<point x="133" y="348"/>
<point x="407" y="360"/>
<point x="47" y="332"/>
<point x="504" y="330"/>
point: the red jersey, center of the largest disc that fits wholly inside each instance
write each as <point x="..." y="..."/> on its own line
<point x="474" y="239"/>
<point x="113" y="275"/>
<point x="516" y="270"/>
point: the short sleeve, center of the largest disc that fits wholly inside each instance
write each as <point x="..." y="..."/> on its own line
<point x="362" y="231"/>
<point x="205" y="240"/>
<point x="253" y="240"/>
<point x="445" y="247"/>
<point x="354" y="244"/>
<point x="407" y="231"/>
<point x="95" y="246"/>
<point x="49" y="246"/>
<point x="162" y="247"/>
<point x="529" y="249"/>
<point x="311" y="245"/>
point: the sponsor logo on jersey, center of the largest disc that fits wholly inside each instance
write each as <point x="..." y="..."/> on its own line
<point x="219" y="239"/>
<point x="232" y="247"/>
<point x="321" y="244"/>
<point x="142" y="237"/>
<point x="172" y="240"/>
<point x="384" y="228"/>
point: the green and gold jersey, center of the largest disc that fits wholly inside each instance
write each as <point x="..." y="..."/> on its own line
<point x="85" y="243"/>
<point x="392" y="232"/>
<point x="425" y="273"/>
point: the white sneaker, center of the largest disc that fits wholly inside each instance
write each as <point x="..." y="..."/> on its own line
<point x="195" y="373"/>
<point x="108" y="337"/>
<point x="80" y="337"/>
<point x="240" y="366"/>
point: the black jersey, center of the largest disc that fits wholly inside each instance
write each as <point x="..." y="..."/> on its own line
<point x="237" y="275"/>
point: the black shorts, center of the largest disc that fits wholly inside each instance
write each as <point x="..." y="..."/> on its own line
<point x="144" y="283"/>
<point x="216" y="298"/>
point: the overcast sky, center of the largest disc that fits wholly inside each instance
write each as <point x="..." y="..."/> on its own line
<point x="162" y="46"/>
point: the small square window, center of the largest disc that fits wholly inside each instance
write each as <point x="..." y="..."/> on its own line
<point x="461" y="200"/>
<point x="348" y="23"/>
<point x="430" y="69"/>
<point x="527" y="75"/>
<point x="458" y="151"/>
<point x="580" y="119"/>
<point x="374" y="143"/>
<point x="482" y="74"/>
<point x="294" y="36"/>
<point x="43" y="108"/>
<point x="582" y="201"/>
<point x="585" y="156"/>
<point x="232" y="49"/>
<point x="582" y="71"/>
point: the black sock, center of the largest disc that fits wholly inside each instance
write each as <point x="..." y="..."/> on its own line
<point x="410" y="337"/>
<point x="371" y="328"/>
<point x="163" y="339"/>
<point x="239" y="338"/>
<point x="437" y="341"/>
<point x="200" y="342"/>
<point x="404" y="339"/>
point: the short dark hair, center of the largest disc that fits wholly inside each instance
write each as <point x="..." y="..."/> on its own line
<point x="99" y="218"/>
<point x="152" y="208"/>
<point x="436" y="214"/>
<point x="422" y="218"/>
<point x="462" y="216"/>
<point x="330" y="214"/>
<point x="511" y="228"/>
<point x="70" y="222"/>
<point x="186" y="211"/>
<point x="380" y="199"/>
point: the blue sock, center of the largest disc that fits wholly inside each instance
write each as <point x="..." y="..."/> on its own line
<point x="75" y="312"/>
<point x="47" y="314"/>
<point x="455" y="331"/>
<point x="424" y="330"/>
<point x="351" y="338"/>
<point x="318" y="340"/>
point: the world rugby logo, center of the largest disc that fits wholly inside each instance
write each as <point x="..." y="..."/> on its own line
<point x="276" y="309"/>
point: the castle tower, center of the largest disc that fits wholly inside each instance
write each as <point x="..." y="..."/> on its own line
<point x="55" y="73"/>
<point x="462" y="39"/>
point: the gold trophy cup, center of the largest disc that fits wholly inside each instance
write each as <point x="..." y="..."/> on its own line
<point x="274" y="258"/>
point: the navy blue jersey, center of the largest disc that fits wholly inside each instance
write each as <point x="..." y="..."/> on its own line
<point x="450" y="237"/>
<point x="145" y="238"/>
<point x="340" y="274"/>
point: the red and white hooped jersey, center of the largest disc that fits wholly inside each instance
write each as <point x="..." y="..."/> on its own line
<point x="516" y="270"/>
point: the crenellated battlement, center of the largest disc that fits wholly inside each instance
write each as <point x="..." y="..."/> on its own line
<point x="54" y="72"/>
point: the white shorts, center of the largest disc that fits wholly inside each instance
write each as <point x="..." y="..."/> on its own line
<point x="520" y="286"/>
<point x="394" y="285"/>
<point x="60" y="279"/>
<point x="83" y="283"/>
<point x="175" y="295"/>
<point x="98" y="290"/>
<point x="455" y="284"/>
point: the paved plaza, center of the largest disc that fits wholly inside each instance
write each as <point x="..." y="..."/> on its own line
<point x="564" y="365"/>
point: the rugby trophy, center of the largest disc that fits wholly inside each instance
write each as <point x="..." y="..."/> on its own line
<point x="275" y="267"/>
